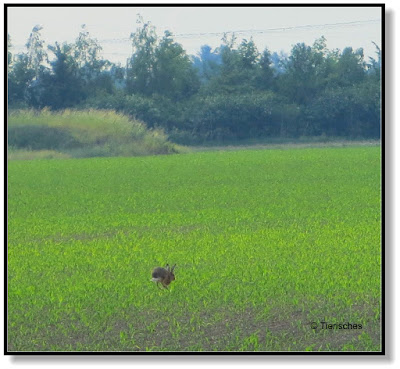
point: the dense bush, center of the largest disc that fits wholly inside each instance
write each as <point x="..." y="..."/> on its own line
<point x="237" y="116"/>
<point x="351" y="112"/>
<point x="155" y="111"/>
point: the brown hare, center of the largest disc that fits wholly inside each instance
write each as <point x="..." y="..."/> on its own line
<point x="163" y="275"/>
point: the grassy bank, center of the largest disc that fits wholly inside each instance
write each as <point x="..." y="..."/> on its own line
<point x="78" y="134"/>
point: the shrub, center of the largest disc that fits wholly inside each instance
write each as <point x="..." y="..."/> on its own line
<point x="238" y="116"/>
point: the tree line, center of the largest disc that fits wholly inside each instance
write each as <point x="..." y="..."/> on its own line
<point x="232" y="92"/>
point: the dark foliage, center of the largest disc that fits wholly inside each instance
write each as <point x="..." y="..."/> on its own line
<point x="40" y="138"/>
<point x="231" y="92"/>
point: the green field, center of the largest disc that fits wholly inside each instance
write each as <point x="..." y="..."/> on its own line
<point x="265" y="241"/>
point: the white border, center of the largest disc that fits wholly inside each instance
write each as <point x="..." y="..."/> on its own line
<point x="392" y="238"/>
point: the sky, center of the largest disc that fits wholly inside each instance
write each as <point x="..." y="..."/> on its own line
<point x="278" y="28"/>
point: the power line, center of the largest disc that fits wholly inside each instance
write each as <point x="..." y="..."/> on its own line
<point x="250" y="31"/>
<point x="290" y="28"/>
<point x="258" y="31"/>
<point x="254" y="31"/>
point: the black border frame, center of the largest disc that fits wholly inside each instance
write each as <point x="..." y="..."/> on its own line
<point x="205" y="353"/>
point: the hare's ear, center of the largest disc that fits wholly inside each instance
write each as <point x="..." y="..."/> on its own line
<point x="173" y="268"/>
<point x="167" y="267"/>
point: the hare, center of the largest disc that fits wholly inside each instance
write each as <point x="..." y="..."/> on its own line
<point x="163" y="275"/>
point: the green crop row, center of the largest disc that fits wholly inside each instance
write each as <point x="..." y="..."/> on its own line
<point x="266" y="243"/>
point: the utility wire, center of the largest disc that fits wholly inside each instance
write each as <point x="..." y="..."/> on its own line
<point x="283" y="29"/>
<point x="250" y="31"/>
<point x="261" y="31"/>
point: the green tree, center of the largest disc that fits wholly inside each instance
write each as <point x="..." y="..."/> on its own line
<point x="140" y="71"/>
<point x="37" y="54"/>
<point x="159" y="67"/>
<point x="207" y="63"/>
<point x="375" y="65"/>
<point x="307" y="72"/>
<point x="351" y="67"/>
<point x="93" y="69"/>
<point x="239" y="71"/>
<point x="266" y="75"/>
<point x="87" y="50"/>
<point x="173" y="73"/>
<point x="9" y="54"/>
<point x="249" y="55"/>
<point x="26" y="69"/>
<point x="62" y="87"/>
<point x="20" y="77"/>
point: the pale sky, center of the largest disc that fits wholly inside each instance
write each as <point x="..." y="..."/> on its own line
<point x="192" y="26"/>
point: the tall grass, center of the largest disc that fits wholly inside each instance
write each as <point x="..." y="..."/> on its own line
<point x="84" y="133"/>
